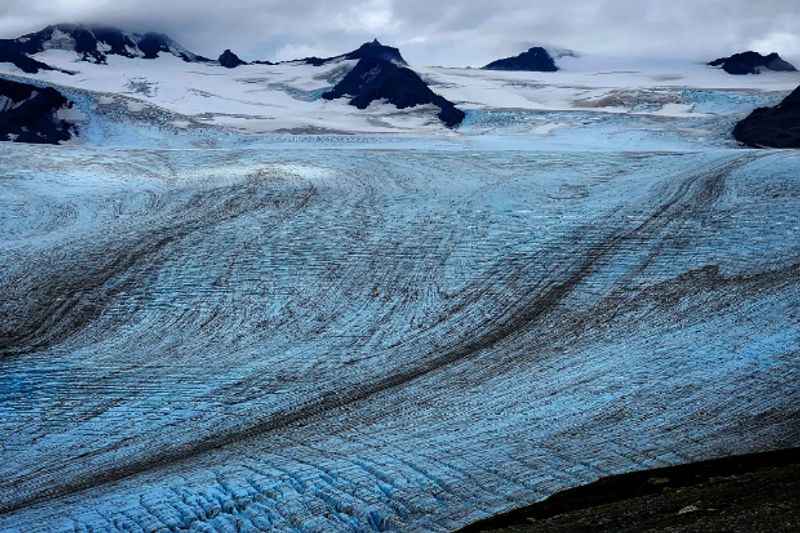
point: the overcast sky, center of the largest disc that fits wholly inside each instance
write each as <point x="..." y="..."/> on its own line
<point x="437" y="32"/>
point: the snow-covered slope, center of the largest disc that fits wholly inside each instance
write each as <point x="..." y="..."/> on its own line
<point x="586" y="80"/>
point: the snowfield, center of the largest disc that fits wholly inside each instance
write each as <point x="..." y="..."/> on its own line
<point x="230" y="305"/>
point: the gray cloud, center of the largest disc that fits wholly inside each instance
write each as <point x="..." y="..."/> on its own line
<point x="457" y="33"/>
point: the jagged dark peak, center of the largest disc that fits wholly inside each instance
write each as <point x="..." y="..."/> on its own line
<point x="752" y="63"/>
<point x="369" y="50"/>
<point x="95" y="42"/>
<point x="375" y="78"/>
<point x="536" y="59"/>
<point x="376" y="50"/>
<point x="29" y="113"/>
<point x="774" y="127"/>
<point x="152" y="43"/>
<point x="230" y="60"/>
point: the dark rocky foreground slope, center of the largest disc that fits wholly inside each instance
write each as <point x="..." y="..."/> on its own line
<point x="535" y="59"/>
<point x="754" y="493"/>
<point x="374" y="78"/>
<point x="30" y="114"/>
<point x="752" y="63"/>
<point x="775" y="127"/>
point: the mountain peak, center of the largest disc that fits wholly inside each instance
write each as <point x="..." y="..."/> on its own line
<point x="95" y="42"/>
<point x="230" y="60"/>
<point x="750" y="62"/>
<point x="374" y="79"/>
<point x="376" y="50"/>
<point x="536" y="59"/>
<point x="370" y="50"/>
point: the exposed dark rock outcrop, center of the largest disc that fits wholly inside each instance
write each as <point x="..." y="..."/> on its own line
<point x="374" y="78"/>
<point x="90" y="43"/>
<point x="752" y="63"/>
<point x="536" y="59"/>
<point x="775" y="127"/>
<point x="230" y="60"/>
<point x="30" y="114"/>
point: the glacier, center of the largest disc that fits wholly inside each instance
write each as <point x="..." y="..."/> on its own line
<point x="380" y="325"/>
<point x="376" y="339"/>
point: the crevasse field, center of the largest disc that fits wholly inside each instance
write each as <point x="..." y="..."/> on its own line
<point x="256" y="310"/>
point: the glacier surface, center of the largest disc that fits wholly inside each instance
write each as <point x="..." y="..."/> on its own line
<point x="212" y="323"/>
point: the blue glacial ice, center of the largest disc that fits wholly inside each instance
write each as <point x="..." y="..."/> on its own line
<point x="381" y="337"/>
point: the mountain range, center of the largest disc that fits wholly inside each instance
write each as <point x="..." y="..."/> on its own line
<point x="95" y="43"/>
<point x="373" y="72"/>
<point x="380" y="74"/>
